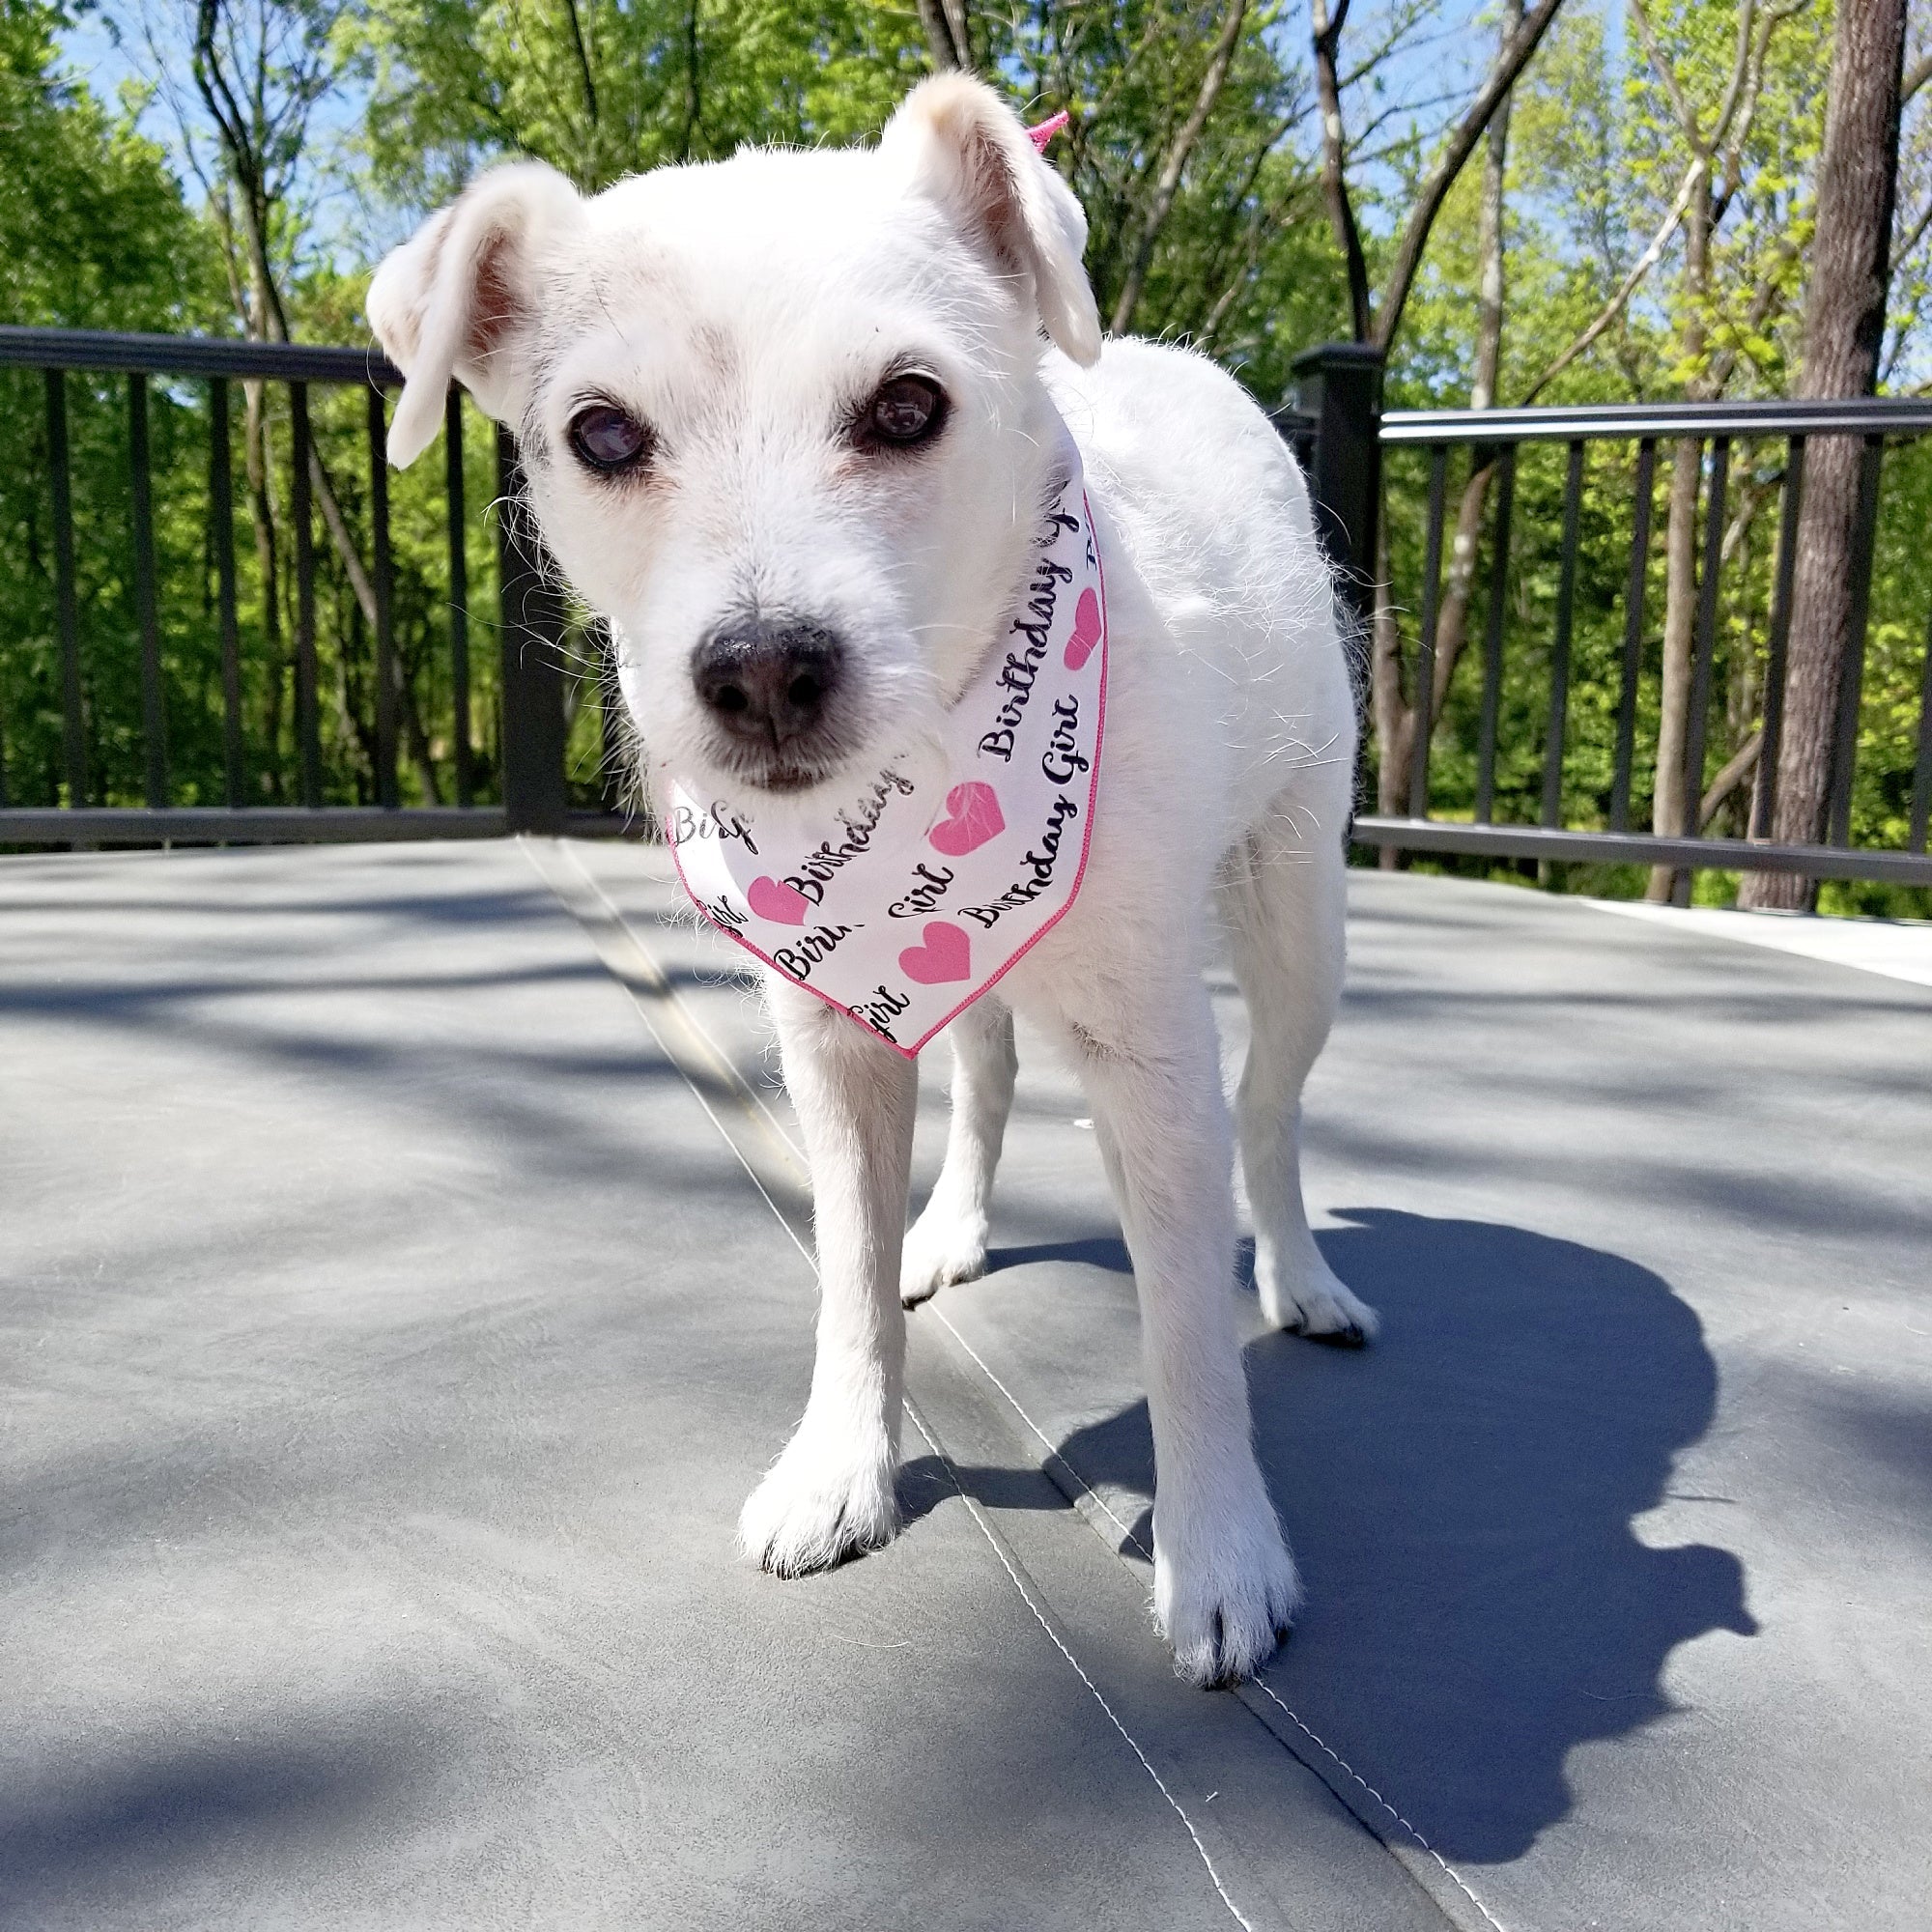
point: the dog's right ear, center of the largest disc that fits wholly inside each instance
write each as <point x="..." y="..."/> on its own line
<point x="451" y="300"/>
<point x="964" y="148"/>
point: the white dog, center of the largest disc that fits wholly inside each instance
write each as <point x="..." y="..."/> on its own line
<point x="801" y="402"/>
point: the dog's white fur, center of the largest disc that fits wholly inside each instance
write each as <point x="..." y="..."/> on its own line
<point x="738" y="308"/>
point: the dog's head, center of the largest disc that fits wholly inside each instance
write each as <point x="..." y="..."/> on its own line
<point x="780" y="416"/>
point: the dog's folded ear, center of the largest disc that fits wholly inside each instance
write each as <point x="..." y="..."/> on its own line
<point x="452" y="300"/>
<point x="965" y="149"/>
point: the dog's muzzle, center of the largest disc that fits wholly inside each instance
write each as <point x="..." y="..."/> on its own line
<point x="768" y="685"/>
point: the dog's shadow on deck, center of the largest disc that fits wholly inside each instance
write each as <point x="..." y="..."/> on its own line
<point x="1462" y="1499"/>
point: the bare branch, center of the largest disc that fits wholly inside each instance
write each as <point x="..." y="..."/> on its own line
<point x="582" y="61"/>
<point x="1741" y="115"/>
<point x="1627" y="287"/>
<point x="1914" y="235"/>
<point x="1212" y="80"/>
<point x="1727" y="780"/>
<point x="1510" y="61"/>
<point x="340" y="536"/>
<point x="1766" y="299"/>
<point x="1687" y="115"/>
<point x="1400" y="38"/>
<point x="1358" y="150"/>
<point x="1326" y="31"/>
<point x="1742" y="70"/>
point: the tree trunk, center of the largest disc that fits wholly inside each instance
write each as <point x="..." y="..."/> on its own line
<point x="1674" y="785"/>
<point x="1452" y="631"/>
<point x="1394" y="718"/>
<point x="947" y="39"/>
<point x="1844" y="330"/>
<point x="1680" y="624"/>
<point x="1327" y="34"/>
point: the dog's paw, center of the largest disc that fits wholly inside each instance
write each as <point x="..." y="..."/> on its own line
<point x="1318" y="1306"/>
<point x="1225" y="1591"/>
<point x="823" y="1501"/>
<point x="941" y="1248"/>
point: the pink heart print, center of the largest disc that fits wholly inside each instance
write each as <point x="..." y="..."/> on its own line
<point x="973" y="815"/>
<point x="946" y="955"/>
<point x="1086" y="631"/>
<point x="783" y="904"/>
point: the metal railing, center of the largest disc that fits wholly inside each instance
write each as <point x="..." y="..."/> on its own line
<point x="1338" y="429"/>
<point x="531" y="677"/>
<point x="1345" y="438"/>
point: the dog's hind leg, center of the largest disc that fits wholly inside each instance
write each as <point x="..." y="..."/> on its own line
<point x="948" y="1242"/>
<point x="831" y="1492"/>
<point x="1283" y="895"/>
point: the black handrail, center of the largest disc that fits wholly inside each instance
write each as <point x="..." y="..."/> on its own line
<point x="193" y="356"/>
<point x="1560" y="422"/>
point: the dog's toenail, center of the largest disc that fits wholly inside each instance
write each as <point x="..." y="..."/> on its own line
<point x="1350" y="1337"/>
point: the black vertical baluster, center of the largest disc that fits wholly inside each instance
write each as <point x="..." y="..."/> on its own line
<point x="1493" y="640"/>
<point x="1851" y="680"/>
<point x="153" y="693"/>
<point x="308" y="719"/>
<point x="1697" y="724"/>
<point x="73" y="718"/>
<point x="1559" y="656"/>
<point x="1921" y="775"/>
<point x="459" y="591"/>
<point x="536" y="793"/>
<point x="387" y="676"/>
<point x="1764" y="793"/>
<point x="221" y="512"/>
<point x="1425" y="655"/>
<point x="1633" y="591"/>
<point x="610" y="714"/>
<point x="1703" y="658"/>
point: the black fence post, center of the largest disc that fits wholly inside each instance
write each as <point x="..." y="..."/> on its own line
<point x="536" y="795"/>
<point x="1339" y="386"/>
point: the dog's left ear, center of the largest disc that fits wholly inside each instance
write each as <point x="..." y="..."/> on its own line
<point x="963" y="146"/>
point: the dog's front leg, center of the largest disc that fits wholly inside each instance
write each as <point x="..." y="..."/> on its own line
<point x="831" y="1492"/>
<point x="1224" y="1583"/>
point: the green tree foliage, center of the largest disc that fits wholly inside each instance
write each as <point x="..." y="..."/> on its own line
<point x="1598" y="164"/>
<point x="93" y="233"/>
<point x="1658" y="190"/>
<point x="93" y="228"/>
<point x="601" y="90"/>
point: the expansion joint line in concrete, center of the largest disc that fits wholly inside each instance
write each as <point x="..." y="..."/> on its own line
<point x="777" y="1168"/>
<point x="1014" y="1570"/>
<point x="1260" y="1683"/>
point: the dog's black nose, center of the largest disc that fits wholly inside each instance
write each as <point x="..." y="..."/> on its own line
<point x="765" y="680"/>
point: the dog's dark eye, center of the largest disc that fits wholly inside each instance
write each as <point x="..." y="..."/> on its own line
<point x="907" y="409"/>
<point x="607" y="439"/>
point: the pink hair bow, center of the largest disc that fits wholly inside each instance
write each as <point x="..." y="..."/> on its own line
<point x="1039" y="136"/>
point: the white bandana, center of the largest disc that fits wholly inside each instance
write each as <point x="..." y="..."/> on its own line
<point x="906" y="902"/>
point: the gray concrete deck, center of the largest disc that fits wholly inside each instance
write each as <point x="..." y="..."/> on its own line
<point x="400" y="1288"/>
